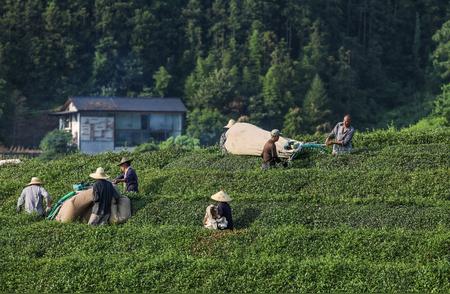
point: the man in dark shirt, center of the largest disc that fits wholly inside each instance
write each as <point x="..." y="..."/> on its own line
<point x="104" y="194"/>
<point x="128" y="176"/>
<point x="223" y="208"/>
<point x="269" y="154"/>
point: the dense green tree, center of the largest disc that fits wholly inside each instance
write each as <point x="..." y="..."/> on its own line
<point x="316" y="107"/>
<point x="242" y="57"/>
<point x="293" y="122"/>
<point x="206" y="125"/>
<point x="162" y="79"/>
<point x="3" y="97"/>
<point x="441" y="55"/>
<point x="313" y="60"/>
<point x="276" y="87"/>
<point x="442" y="104"/>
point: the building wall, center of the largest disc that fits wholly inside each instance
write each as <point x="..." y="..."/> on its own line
<point x="96" y="133"/>
<point x="75" y="128"/>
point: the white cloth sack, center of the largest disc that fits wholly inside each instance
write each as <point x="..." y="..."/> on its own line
<point x="212" y="223"/>
<point x="120" y="211"/>
<point x="248" y="139"/>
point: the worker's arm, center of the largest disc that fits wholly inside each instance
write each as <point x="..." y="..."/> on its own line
<point x="20" y="201"/>
<point x="348" y="138"/>
<point x="329" y="141"/>
<point x="96" y="197"/>
<point x="119" y="179"/>
<point x="274" y="153"/>
<point x="47" y="197"/>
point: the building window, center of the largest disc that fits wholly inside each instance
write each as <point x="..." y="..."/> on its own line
<point x="65" y="123"/>
<point x="166" y="122"/>
<point x="134" y="128"/>
<point x="128" y="121"/>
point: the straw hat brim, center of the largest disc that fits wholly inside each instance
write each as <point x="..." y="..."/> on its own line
<point x="221" y="197"/>
<point x="126" y="161"/>
<point x="96" y="176"/>
<point x="34" y="183"/>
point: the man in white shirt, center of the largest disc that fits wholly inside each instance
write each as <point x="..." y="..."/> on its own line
<point x="32" y="197"/>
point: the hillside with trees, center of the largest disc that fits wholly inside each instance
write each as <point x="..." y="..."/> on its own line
<point x="294" y="65"/>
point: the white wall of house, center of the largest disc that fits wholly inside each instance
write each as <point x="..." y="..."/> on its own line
<point x="100" y="132"/>
<point x="96" y="134"/>
<point x="71" y="123"/>
<point x="75" y="128"/>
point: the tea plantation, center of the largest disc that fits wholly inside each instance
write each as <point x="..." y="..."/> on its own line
<point x="377" y="220"/>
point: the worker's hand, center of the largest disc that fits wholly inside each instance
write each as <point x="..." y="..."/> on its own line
<point x="48" y="209"/>
<point x="18" y="209"/>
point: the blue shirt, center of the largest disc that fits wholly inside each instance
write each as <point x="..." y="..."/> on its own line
<point x="131" y="180"/>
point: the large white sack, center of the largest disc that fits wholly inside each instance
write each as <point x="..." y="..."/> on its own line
<point x="248" y="139"/>
<point x="76" y="206"/>
<point x="121" y="211"/>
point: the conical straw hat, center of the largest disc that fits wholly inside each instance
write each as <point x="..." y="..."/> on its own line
<point x="231" y="122"/>
<point x="221" y="196"/>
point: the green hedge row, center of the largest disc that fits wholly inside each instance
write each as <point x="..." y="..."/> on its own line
<point x="272" y="214"/>
<point x="175" y="258"/>
<point x="77" y="167"/>
<point x="174" y="273"/>
<point x="391" y="137"/>
<point x="310" y="184"/>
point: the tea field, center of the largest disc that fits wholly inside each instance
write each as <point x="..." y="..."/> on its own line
<point x="377" y="220"/>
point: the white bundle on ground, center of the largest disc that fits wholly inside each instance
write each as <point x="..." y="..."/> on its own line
<point x="248" y="139"/>
<point x="9" y="161"/>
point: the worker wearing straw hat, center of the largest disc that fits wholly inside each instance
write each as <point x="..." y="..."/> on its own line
<point x="223" y="137"/>
<point x="104" y="194"/>
<point x="32" y="197"/>
<point x="128" y="176"/>
<point x="223" y="208"/>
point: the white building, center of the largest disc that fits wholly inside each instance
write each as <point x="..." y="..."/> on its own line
<point x="102" y="124"/>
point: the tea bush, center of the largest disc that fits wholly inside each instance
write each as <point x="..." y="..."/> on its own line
<point x="377" y="220"/>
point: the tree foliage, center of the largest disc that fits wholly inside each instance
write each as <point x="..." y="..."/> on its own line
<point x="205" y="125"/>
<point x="253" y="58"/>
<point x="56" y="143"/>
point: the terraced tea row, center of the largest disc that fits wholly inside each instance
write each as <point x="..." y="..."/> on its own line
<point x="312" y="184"/>
<point x="272" y="214"/>
<point x="73" y="257"/>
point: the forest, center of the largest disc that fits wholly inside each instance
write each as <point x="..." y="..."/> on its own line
<point x="294" y="65"/>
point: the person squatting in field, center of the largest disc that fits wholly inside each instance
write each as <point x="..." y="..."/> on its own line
<point x="341" y="136"/>
<point x="269" y="153"/>
<point x="220" y="216"/>
<point x="32" y="197"/>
